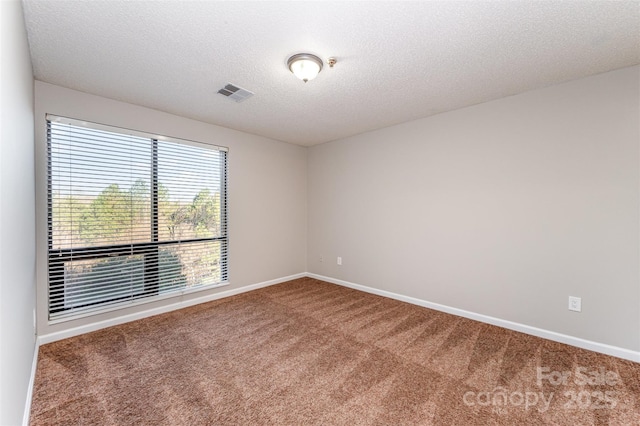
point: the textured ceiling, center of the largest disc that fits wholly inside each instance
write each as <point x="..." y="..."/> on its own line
<point x="397" y="61"/>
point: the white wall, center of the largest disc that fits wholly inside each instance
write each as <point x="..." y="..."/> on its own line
<point x="17" y="214"/>
<point x="502" y="209"/>
<point x="267" y="193"/>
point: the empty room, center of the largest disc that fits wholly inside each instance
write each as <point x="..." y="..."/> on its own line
<point x="319" y="213"/>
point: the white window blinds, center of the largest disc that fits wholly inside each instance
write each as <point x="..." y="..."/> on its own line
<point x="132" y="217"/>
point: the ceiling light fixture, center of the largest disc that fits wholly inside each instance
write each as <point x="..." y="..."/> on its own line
<point x="305" y="66"/>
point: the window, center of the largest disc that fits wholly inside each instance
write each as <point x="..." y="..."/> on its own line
<point x="132" y="217"/>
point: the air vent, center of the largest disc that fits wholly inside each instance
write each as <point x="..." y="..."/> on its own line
<point x="236" y="93"/>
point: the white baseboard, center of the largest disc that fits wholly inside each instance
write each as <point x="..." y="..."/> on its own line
<point x="76" y="331"/>
<point x="534" y="331"/>
<point x="32" y="379"/>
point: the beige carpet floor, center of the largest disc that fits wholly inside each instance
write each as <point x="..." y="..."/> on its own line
<point x="307" y="352"/>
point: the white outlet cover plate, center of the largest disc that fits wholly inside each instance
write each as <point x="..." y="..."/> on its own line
<point x="575" y="304"/>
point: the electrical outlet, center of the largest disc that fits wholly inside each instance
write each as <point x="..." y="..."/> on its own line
<point x="321" y="258"/>
<point x="575" y="304"/>
<point x="339" y="260"/>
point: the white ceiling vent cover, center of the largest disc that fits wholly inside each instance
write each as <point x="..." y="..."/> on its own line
<point x="236" y="93"/>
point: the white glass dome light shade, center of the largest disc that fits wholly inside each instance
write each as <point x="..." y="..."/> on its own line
<point x="305" y="66"/>
<point x="305" y="69"/>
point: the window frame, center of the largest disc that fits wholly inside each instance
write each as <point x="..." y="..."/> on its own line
<point x="56" y="258"/>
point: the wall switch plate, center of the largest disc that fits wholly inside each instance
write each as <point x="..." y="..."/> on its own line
<point x="575" y="304"/>
<point x="339" y="261"/>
